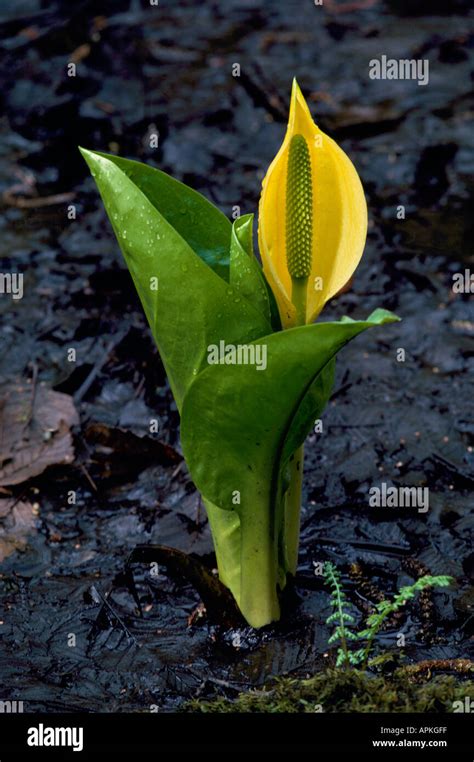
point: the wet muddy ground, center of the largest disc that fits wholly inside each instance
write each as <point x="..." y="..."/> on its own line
<point x="82" y="479"/>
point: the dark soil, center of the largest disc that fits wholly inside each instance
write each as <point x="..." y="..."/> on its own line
<point x="80" y="628"/>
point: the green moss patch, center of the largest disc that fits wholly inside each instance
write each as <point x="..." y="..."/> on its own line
<point x="336" y="690"/>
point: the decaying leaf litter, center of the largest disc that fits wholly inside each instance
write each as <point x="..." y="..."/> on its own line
<point x="406" y="423"/>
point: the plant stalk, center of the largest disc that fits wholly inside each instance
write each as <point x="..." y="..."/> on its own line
<point x="299" y="287"/>
<point x="247" y="559"/>
<point x="259" y="568"/>
<point x="292" y="508"/>
<point x="292" y="511"/>
<point x="225" y="530"/>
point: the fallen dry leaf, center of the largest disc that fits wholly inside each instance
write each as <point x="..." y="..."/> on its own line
<point x="16" y="522"/>
<point x="35" y="424"/>
<point x="120" y="452"/>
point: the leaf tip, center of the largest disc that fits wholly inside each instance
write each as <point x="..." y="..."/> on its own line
<point x="381" y="316"/>
<point x="88" y="156"/>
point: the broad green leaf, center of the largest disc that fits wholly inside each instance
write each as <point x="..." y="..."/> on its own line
<point x="246" y="413"/>
<point x="188" y="306"/>
<point x="236" y="421"/>
<point x="200" y="223"/>
<point x="246" y="275"/>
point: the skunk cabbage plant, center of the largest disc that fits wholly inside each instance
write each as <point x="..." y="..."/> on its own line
<point x="249" y="369"/>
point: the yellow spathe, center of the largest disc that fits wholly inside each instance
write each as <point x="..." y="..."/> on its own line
<point x="339" y="219"/>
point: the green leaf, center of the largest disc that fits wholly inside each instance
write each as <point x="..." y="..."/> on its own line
<point x="274" y="311"/>
<point x="246" y="416"/>
<point x="242" y="234"/>
<point x="202" y="225"/>
<point x="192" y="308"/>
<point x="225" y="529"/>
<point x="246" y="275"/>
